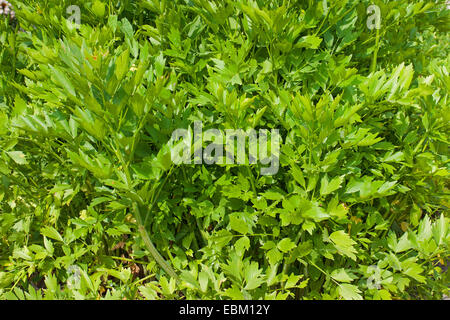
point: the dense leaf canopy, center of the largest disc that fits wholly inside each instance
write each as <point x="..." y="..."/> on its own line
<point x="92" y="206"/>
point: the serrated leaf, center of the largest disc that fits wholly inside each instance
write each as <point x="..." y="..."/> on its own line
<point x="51" y="233"/>
<point x="241" y="245"/>
<point x="238" y="225"/>
<point x="327" y="187"/>
<point x="62" y="80"/>
<point x="253" y="276"/>
<point x="310" y="42"/>
<point x="343" y="243"/>
<point x="286" y="245"/>
<point x="274" y="256"/>
<point x="341" y="275"/>
<point x="349" y="292"/>
<point x="292" y="281"/>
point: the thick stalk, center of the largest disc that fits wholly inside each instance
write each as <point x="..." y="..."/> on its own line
<point x="149" y="244"/>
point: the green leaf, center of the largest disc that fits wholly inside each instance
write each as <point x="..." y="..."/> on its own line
<point x="159" y="65"/>
<point x="298" y="175"/>
<point x="48" y="245"/>
<point x="343" y="243"/>
<point x="315" y="212"/>
<point x="6" y="278"/>
<point x="189" y="279"/>
<point x="238" y="225"/>
<point x="52" y="233"/>
<point x="286" y="245"/>
<point x="341" y="275"/>
<point x="20" y="106"/>
<point x="234" y="293"/>
<point x="122" y="64"/>
<point x="274" y="256"/>
<point x="349" y="292"/>
<point x="303" y="249"/>
<point x="4" y="121"/>
<point x="292" y="281"/>
<point x="148" y="292"/>
<point x="440" y="230"/>
<point x="414" y="271"/>
<point x="203" y="280"/>
<point x="127" y="28"/>
<point x="18" y="157"/>
<point x="310" y="42"/>
<point x="62" y="80"/>
<point x="123" y="275"/>
<point x="222" y="238"/>
<point x="328" y="187"/>
<point x="241" y="245"/>
<point x="99" y="8"/>
<point x="253" y="276"/>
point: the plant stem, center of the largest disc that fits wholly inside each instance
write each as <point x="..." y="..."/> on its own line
<point x="252" y="180"/>
<point x="14" y="52"/>
<point x="373" y="67"/>
<point x="154" y="197"/>
<point x="321" y="270"/>
<point x="149" y="244"/>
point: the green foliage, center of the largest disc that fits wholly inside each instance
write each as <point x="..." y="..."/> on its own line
<point x="91" y="206"/>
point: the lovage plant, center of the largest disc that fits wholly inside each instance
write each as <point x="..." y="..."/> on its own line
<point x="332" y="185"/>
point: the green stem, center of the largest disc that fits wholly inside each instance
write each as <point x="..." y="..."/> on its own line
<point x="143" y="279"/>
<point x="141" y="227"/>
<point x="129" y="260"/>
<point x="14" y="52"/>
<point x="373" y="67"/>
<point x="252" y="180"/>
<point x="149" y="244"/>
<point x="202" y="233"/>
<point x="154" y="197"/>
<point x="321" y="270"/>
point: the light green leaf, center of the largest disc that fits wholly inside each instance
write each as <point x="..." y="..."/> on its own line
<point x="344" y="244"/>
<point x="238" y="225"/>
<point x="63" y="81"/>
<point x="274" y="256"/>
<point x="203" y="280"/>
<point x="414" y="271"/>
<point x="51" y="233"/>
<point x="286" y="245"/>
<point x="328" y="187"/>
<point x="18" y="157"/>
<point x="241" y="245"/>
<point x="253" y="276"/>
<point x="292" y="281"/>
<point x="122" y="64"/>
<point x="310" y="42"/>
<point x="341" y="275"/>
<point x="349" y="292"/>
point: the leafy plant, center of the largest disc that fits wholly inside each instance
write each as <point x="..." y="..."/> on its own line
<point x="92" y="206"/>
